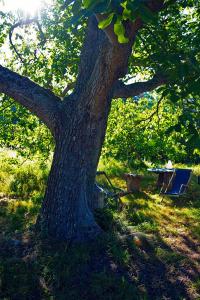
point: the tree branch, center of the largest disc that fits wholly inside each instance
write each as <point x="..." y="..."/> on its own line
<point x="68" y="87"/>
<point x="40" y="101"/>
<point x="155" y="112"/>
<point x="22" y="23"/>
<point x="125" y="91"/>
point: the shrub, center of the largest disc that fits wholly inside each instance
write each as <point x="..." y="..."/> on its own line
<point x="28" y="180"/>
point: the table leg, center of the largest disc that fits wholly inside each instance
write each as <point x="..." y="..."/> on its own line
<point x="166" y="180"/>
<point x="160" y="180"/>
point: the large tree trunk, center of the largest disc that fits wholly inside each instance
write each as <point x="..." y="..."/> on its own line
<point x="66" y="211"/>
<point x="79" y="134"/>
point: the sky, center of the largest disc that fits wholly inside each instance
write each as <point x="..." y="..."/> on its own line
<point x="30" y="8"/>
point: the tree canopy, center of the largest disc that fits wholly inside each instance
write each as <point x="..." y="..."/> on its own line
<point x="46" y="48"/>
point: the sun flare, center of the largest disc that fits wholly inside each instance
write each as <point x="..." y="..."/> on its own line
<point x="28" y="7"/>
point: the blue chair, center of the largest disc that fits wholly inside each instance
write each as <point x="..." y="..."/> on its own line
<point x="178" y="183"/>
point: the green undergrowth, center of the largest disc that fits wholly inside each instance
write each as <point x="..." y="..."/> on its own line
<point x="149" y="248"/>
<point x="21" y="177"/>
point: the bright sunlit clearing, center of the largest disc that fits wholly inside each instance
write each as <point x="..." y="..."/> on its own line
<point x="28" y="7"/>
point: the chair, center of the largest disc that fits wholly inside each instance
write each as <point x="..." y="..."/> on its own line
<point x="106" y="187"/>
<point x="178" y="183"/>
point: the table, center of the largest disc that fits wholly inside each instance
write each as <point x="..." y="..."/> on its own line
<point x="132" y="182"/>
<point x="164" y="175"/>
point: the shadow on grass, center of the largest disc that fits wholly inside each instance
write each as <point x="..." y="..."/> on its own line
<point x="187" y="200"/>
<point x="62" y="271"/>
<point x="112" y="267"/>
<point x="122" y="264"/>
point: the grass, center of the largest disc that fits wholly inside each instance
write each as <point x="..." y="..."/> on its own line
<point x="149" y="250"/>
<point x="21" y="178"/>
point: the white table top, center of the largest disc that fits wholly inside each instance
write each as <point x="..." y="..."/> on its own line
<point x="161" y="170"/>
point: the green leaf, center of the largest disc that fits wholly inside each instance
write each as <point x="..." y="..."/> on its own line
<point x="126" y="14"/>
<point x="120" y="31"/>
<point x="106" y="22"/>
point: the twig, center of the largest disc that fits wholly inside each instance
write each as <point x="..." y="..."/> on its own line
<point x="156" y="112"/>
<point x="69" y="87"/>
<point x="10" y="104"/>
<point x="21" y="23"/>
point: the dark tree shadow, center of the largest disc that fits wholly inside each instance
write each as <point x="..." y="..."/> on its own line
<point x="121" y="264"/>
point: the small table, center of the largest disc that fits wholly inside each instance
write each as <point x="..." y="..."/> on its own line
<point x="133" y="182"/>
<point x="164" y="175"/>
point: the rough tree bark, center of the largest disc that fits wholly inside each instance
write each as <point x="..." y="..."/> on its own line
<point x="78" y="124"/>
<point x="79" y="136"/>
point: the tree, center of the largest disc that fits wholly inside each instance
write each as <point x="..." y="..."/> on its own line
<point x="151" y="130"/>
<point x="136" y="133"/>
<point x="78" y="121"/>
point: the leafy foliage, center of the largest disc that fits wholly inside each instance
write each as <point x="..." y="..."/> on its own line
<point x="149" y="131"/>
<point x="168" y="44"/>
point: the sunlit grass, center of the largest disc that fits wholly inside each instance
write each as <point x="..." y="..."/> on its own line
<point x="21" y="177"/>
<point x="148" y="232"/>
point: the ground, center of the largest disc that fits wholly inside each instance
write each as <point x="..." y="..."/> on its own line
<point x="149" y="250"/>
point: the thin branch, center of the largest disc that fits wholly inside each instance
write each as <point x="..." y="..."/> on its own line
<point x="156" y="5"/>
<point x="22" y="23"/>
<point x="7" y="106"/>
<point x="169" y="2"/>
<point x="66" y="4"/>
<point x="42" y="35"/>
<point x="142" y="40"/>
<point x="69" y="87"/>
<point x="125" y="91"/>
<point x="155" y="112"/>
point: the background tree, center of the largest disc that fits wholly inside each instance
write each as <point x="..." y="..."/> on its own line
<point x="135" y="37"/>
<point x="147" y="130"/>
